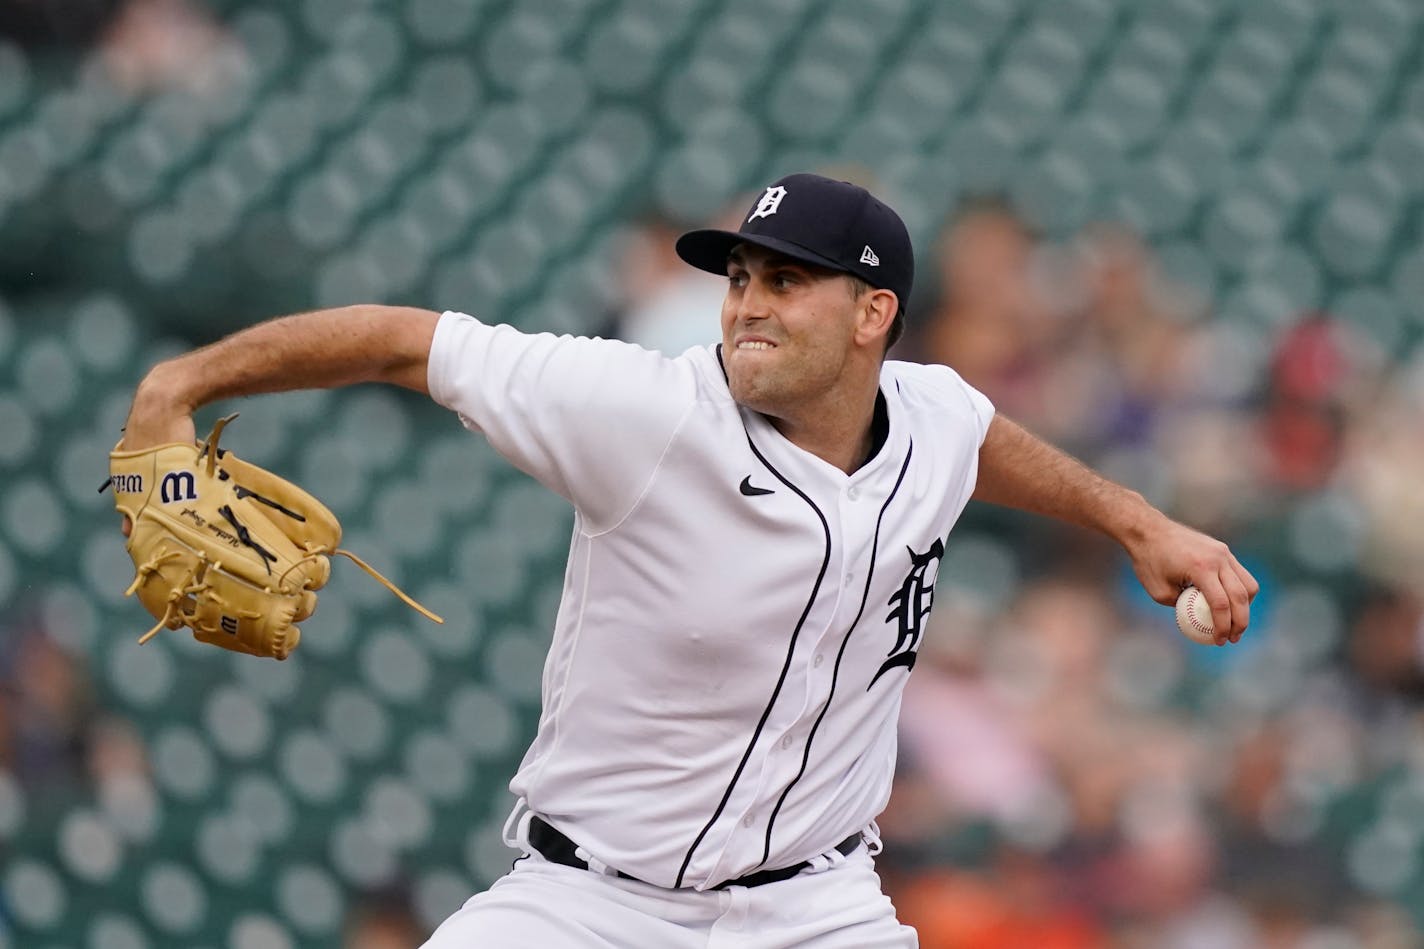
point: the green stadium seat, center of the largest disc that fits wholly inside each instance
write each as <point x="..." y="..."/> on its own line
<point x="141" y="675"/>
<point x="1407" y="282"/>
<point x="1340" y="102"/>
<point x="240" y="725"/>
<point x="1150" y="46"/>
<point x="443" y="23"/>
<point x="115" y="931"/>
<point x="986" y="151"/>
<point x="1131" y="102"/>
<point x="311" y="899"/>
<point x="35" y="894"/>
<point x="361" y="857"/>
<point x="69" y="122"/>
<point x="404" y="515"/>
<point x="33" y="517"/>
<point x="15" y="79"/>
<point x="323" y="210"/>
<point x="1292" y="273"/>
<point x="173" y="898"/>
<point x="358" y="724"/>
<point x="259" y="931"/>
<point x="1243" y="221"/>
<point x="1400" y="149"/>
<point x="130" y="806"/>
<point x="447" y="91"/>
<point x="481" y="722"/>
<point x="441" y="206"/>
<point x="436" y="765"/>
<point x="264" y="804"/>
<point x="183" y="763"/>
<point x="28" y="157"/>
<point x="228" y="848"/>
<point x="1056" y="192"/>
<point x="692" y="183"/>
<point x="395" y="667"/>
<point x="1233" y="104"/>
<point x="332" y="468"/>
<point x="811" y="100"/>
<point x="21" y="427"/>
<point x="309" y="764"/>
<point x="1376" y="315"/>
<point x="12" y="804"/>
<point x="1157" y="197"/>
<point x="625" y="52"/>
<point x="522" y="37"/>
<point x="9" y="573"/>
<point x="266" y="41"/>
<point x="1293" y="21"/>
<point x="102" y="333"/>
<point x="1355" y="226"/>
<point x="399" y="810"/>
<point x="437" y="894"/>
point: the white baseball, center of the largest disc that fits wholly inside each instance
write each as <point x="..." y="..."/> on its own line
<point x="1194" y="617"/>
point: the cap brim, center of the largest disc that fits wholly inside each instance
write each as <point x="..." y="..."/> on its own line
<point x="709" y="249"/>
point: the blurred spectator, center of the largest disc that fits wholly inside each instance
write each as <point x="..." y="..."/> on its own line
<point x="382" y="921"/>
<point x="989" y="320"/>
<point x="47" y="711"/>
<point x="157" y="44"/>
<point x="56" y="24"/>
<point x="1384" y="458"/>
<point x="1303" y="418"/>
<point x="144" y="44"/>
<point x="668" y="306"/>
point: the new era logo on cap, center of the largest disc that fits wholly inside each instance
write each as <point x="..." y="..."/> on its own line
<point x="832" y="224"/>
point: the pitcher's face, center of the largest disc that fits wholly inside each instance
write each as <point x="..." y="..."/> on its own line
<point x="787" y="329"/>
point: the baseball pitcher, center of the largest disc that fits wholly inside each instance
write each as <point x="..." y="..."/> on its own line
<point x="759" y="525"/>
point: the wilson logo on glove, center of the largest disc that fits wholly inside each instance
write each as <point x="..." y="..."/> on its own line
<point x="240" y="563"/>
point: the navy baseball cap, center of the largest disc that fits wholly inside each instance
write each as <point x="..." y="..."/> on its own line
<point x="833" y="224"/>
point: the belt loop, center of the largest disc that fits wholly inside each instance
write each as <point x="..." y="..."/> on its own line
<point x="595" y="865"/>
<point x="515" y="832"/>
<point x="871" y="835"/>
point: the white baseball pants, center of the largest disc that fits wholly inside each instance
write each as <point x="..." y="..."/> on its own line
<point x="543" y="905"/>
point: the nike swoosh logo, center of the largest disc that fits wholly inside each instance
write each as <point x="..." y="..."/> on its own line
<point x="751" y="492"/>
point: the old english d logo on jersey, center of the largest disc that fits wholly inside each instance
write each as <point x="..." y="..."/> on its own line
<point x="768" y="204"/>
<point x="910" y="606"/>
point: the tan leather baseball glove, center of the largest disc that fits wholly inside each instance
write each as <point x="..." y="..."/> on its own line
<point x="224" y="547"/>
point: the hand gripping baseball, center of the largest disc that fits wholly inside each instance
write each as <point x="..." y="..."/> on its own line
<point x="224" y="547"/>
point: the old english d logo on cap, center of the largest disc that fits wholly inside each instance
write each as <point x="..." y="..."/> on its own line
<point x="769" y="202"/>
<point x="832" y="224"/>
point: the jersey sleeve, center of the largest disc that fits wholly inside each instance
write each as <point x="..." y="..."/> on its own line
<point x="956" y="395"/>
<point x="588" y="418"/>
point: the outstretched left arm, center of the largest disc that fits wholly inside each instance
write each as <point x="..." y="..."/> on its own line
<point x="1018" y="470"/>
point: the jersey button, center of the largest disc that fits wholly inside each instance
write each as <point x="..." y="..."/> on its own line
<point x="748" y="821"/>
<point x="786" y="742"/>
<point x="853" y="492"/>
<point x="818" y="660"/>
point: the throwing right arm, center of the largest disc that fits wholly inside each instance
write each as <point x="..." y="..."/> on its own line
<point x="319" y="350"/>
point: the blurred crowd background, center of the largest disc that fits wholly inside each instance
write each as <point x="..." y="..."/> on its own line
<point x="1184" y="239"/>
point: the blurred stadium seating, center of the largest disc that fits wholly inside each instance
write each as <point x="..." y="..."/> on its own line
<point x="492" y="157"/>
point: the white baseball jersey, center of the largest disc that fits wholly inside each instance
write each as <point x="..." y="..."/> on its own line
<point x="739" y="616"/>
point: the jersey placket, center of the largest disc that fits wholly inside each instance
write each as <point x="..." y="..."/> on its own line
<point x="851" y="518"/>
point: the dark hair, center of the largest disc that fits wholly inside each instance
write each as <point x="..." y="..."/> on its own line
<point x="897" y="327"/>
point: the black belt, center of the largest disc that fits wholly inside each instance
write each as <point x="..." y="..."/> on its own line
<point x="557" y="848"/>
